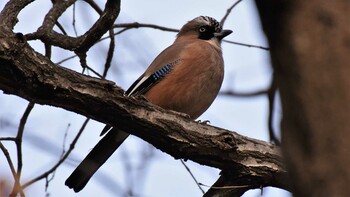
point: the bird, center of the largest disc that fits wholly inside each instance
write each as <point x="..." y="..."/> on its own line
<point x="185" y="77"/>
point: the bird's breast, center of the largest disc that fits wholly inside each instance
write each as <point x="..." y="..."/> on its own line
<point x="193" y="84"/>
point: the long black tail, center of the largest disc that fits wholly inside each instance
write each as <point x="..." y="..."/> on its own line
<point x="95" y="159"/>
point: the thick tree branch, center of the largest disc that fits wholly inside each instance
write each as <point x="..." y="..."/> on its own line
<point x="8" y="16"/>
<point x="30" y="75"/>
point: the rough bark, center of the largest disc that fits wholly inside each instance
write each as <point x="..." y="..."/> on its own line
<point x="310" y="47"/>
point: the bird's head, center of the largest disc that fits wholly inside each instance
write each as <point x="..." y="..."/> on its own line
<point x="205" y="28"/>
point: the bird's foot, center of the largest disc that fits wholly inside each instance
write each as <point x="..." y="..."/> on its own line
<point x="203" y="121"/>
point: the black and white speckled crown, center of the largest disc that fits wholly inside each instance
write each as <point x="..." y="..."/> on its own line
<point x="211" y="22"/>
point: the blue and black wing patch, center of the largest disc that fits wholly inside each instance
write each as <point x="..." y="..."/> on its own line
<point x="143" y="83"/>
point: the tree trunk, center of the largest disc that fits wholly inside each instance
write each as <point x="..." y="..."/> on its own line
<point x="310" y="50"/>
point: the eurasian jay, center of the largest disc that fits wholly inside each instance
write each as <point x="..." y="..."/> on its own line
<point x="185" y="77"/>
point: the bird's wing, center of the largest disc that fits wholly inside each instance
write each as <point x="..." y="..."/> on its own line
<point x="160" y="67"/>
<point x="145" y="82"/>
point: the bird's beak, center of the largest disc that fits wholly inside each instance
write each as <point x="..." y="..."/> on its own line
<point x="223" y="34"/>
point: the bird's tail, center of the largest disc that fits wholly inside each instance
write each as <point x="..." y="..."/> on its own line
<point x="95" y="159"/>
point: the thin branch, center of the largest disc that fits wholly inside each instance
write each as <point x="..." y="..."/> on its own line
<point x="271" y="97"/>
<point x="7" y="138"/>
<point x="229" y="10"/>
<point x="226" y="187"/>
<point x="48" y="50"/>
<point x="139" y="25"/>
<point x="64" y="140"/>
<point x="61" y="160"/>
<point x="242" y="94"/>
<point x="193" y="177"/>
<point x="83" y="63"/>
<point x="109" y="54"/>
<point x="60" y="27"/>
<point x="119" y="32"/>
<point x="73" y="22"/>
<point x="93" y="4"/>
<point x="47" y="183"/>
<point x="125" y="26"/>
<point x="17" y="185"/>
<point x="247" y="45"/>
<point x="9" y="160"/>
<point x="66" y="59"/>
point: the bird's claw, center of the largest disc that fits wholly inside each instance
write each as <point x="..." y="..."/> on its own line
<point x="203" y="122"/>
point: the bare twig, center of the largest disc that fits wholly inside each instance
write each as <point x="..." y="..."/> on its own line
<point x="48" y="50"/>
<point x="73" y="22"/>
<point x="61" y="160"/>
<point x="66" y="59"/>
<point x="93" y="4"/>
<point x="241" y="94"/>
<point x="109" y="54"/>
<point x="7" y="138"/>
<point x="125" y="26"/>
<point x="247" y="45"/>
<point x="111" y="37"/>
<point x="229" y="10"/>
<point x="193" y="177"/>
<point x="139" y="25"/>
<point x="17" y="185"/>
<point x="226" y="187"/>
<point x="9" y="160"/>
<point x="60" y="27"/>
<point x="83" y="63"/>
<point x="147" y="153"/>
<point x="64" y="140"/>
<point x="121" y="31"/>
<point x="271" y="94"/>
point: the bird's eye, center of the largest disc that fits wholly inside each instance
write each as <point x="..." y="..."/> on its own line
<point x="202" y="29"/>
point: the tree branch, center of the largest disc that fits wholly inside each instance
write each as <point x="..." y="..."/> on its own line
<point x="80" y="44"/>
<point x="30" y="75"/>
<point x="8" y="16"/>
<point x="139" y="25"/>
<point x="228" y="12"/>
<point x="61" y="160"/>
